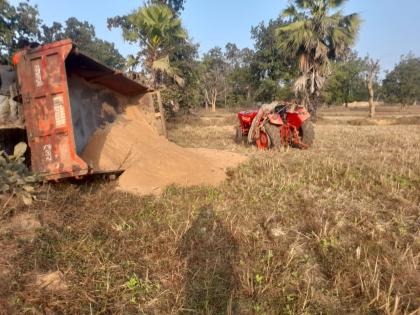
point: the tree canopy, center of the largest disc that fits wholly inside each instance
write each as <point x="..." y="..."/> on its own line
<point x="316" y="33"/>
<point x="272" y="68"/>
<point x="175" y="5"/>
<point x="157" y="31"/>
<point x="84" y="35"/>
<point x="402" y="84"/>
<point x="347" y="81"/>
<point x="17" y="23"/>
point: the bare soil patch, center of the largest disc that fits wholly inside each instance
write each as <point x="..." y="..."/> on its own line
<point x="51" y="281"/>
<point x="22" y="226"/>
<point x="408" y="120"/>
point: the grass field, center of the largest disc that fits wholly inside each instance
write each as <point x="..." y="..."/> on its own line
<point x="331" y="230"/>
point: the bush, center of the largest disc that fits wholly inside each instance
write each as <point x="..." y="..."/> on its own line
<point x="15" y="177"/>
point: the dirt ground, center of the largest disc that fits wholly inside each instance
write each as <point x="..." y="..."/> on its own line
<point x="330" y="230"/>
<point x="353" y="114"/>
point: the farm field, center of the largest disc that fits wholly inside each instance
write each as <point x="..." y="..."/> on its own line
<point x="334" y="229"/>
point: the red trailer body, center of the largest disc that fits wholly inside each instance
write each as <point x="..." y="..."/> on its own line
<point x="48" y="102"/>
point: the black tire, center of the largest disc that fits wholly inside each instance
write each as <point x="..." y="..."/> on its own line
<point x="273" y="132"/>
<point x="307" y="132"/>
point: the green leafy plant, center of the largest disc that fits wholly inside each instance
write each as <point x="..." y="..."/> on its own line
<point x="15" y="177"/>
<point x="139" y="288"/>
<point x="259" y="279"/>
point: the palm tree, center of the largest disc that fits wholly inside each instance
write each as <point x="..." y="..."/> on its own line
<point x="315" y="37"/>
<point x="157" y="30"/>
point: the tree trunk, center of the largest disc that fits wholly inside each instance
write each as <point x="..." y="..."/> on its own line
<point x="213" y="101"/>
<point x="373" y="70"/>
<point x="162" y="114"/>
<point x="207" y="101"/>
<point x="225" y="95"/>
<point x="313" y="106"/>
<point x="372" y="109"/>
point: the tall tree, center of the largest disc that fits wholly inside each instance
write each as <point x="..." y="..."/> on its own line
<point x="272" y="68"/>
<point x="215" y="70"/>
<point x="17" y="23"/>
<point x="347" y="81"/>
<point x="372" y="73"/>
<point x="51" y="33"/>
<point x="402" y="84"/>
<point x="315" y="35"/>
<point x="156" y="30"/>
<point x="239" y="77"/>
<point x="184" y="58"/>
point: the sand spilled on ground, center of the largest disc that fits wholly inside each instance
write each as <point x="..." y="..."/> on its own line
<point x="150" y="161"/>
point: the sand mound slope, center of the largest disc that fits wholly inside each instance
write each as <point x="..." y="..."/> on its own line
<point x="150" y="161"/>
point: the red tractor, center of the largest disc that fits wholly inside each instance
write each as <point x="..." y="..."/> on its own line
<point x="275" y="125"/>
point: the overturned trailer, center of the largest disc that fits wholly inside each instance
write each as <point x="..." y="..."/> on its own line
<point x="65" y="97"/>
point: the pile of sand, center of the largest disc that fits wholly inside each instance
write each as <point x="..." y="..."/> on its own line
<point x="150" y="161"/>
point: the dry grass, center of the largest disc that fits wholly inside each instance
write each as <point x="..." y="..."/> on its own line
<point x="331" y="230"/>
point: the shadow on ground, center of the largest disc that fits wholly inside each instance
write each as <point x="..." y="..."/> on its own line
<point x="210" y="252"/>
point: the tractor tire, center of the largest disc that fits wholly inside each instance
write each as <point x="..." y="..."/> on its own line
<point x="264" y="141"/>
<point x="273" y="132"/>
<point x="307" y="132"/>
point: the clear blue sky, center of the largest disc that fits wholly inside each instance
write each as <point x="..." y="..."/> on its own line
<point x="390" y="28"/>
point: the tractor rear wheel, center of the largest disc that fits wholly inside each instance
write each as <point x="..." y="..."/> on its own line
<point x="263" y="142"/>
<point x="307" y="132"/>
<point x="273" y="131"/>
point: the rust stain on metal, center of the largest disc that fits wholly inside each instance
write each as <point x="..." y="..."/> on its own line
<point x="42" y="76"/>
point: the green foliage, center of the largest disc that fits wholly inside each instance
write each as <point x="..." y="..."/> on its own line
<point x="402" y="84"/>
<point x="157" y="31"/>
<point x="315" y="34"/>
<point x="184" y="58"/>
<point x="83" y="34"/>
<point x="20" y="25"/>
<point x="227" y="76"/>
<point x="215" y="76"/>
<point x="176" y="5"/>
<point x="347" y="82"/>
<point x="17" y="24"/>
<point x="15" y="178"/>
<point x="272" y="68"/>
<point x="139" y="288"/>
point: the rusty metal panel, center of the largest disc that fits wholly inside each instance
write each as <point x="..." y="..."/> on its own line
<point x="46" y="105"/>
<point x="54" y="80"/>
<point x="95" y="72"/>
